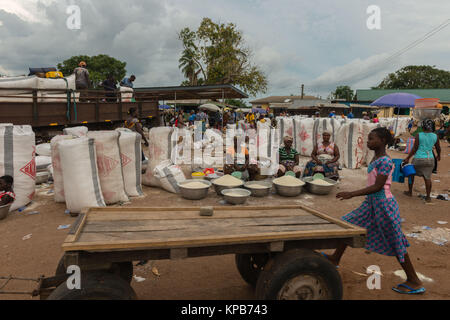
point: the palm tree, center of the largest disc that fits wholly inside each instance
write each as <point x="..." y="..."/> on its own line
<point x="189" y="66"/>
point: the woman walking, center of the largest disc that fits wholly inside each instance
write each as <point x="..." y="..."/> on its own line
<point x="380" y="215"/>
<point x="423" y="156"/>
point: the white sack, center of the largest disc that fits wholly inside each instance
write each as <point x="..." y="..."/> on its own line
<point x="169" y="175"/>
<point x="58" y="181"/>
<point x="79" y="132"/>
<point x="80" y="174"/>
<point x="44" y="149"/>
<point x="109" y="165"/>
<point x="17" y="148"/>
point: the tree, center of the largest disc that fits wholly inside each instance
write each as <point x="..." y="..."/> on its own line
<point x="343" y="92"/>
<point x="99" y="67"/>
<point x="416" y="77"/>
<point x="216" y="54"/>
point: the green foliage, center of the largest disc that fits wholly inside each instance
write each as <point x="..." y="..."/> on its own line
<point x="343" y="92"/>
<point x="99" y="67"/>
<point x="216" y="54"/>
<point x="416" y="77"/>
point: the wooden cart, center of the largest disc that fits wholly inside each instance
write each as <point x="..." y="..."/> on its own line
<point x="273" y="247"/>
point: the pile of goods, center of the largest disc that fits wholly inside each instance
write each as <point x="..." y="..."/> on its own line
<point x="288" y="181"/>
<point x="228" y="181"/>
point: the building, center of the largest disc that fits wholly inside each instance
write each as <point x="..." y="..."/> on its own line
<point x="367" y="96"/>
<point x="277" y="101"/>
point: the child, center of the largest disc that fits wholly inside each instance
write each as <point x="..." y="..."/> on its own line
<point x="7" y="195"/>
<point x="379" y="213"/>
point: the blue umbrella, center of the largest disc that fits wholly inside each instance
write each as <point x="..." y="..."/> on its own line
<point x="398" y="100"/>
<point x="164" y="107"/>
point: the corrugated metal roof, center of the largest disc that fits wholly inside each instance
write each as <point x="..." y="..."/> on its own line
<point x="374" y="94"/>
<point x="280" y="99"/>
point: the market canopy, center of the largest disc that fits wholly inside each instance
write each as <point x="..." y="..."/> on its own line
<point x="397" y="100"/>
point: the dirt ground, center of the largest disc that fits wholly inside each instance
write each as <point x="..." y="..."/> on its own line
<point x="217" y="277"/>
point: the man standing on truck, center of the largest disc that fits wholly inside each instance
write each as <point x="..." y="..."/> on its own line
<point x="82" y="80"/>
<point x="128" y="82"/>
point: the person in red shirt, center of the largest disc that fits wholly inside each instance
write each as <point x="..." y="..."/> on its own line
<point x="7" y="194"/>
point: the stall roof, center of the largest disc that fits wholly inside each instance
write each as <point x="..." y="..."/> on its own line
<point x="186" y="92"/>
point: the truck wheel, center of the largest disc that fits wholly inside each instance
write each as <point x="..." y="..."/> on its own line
<point x="96" y="286"/>
<point x="250" y="266"/>
<point x="123" y="269"/>
<point x="299" y="274"/>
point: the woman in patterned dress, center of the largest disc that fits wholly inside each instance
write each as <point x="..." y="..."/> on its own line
<point x="328" y="167"/>
<point x="380" y="215"/>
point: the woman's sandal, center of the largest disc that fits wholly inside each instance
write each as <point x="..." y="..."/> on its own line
<point x="408" y="290"/>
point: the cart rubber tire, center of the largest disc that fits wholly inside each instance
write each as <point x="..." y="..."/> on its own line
<point x="96" y="286"/>
<point x="250" y="266"/>
<point x="123" y="269"/>
<point x="299" y="274"/>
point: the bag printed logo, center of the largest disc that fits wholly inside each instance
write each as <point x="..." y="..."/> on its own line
<point x="106" y="165"/>
<point x="125" y="160"/>
<point x="30" y="169"/>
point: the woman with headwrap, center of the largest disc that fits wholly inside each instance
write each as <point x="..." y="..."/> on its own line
<point x="289" y="158"/>
<point x="324" y="159"/>
<point x="423" y="156"/>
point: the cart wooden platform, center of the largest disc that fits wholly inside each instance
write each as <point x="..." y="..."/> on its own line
<point x="273" y="246"/>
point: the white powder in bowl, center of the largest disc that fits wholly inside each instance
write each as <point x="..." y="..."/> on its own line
<point x="320" y="182"/>
<point x="194" y="185"/>
<point x="228" y="181"/>
<point x="257" y="186"/>
<point x="235" y="194"/>
<point x="288" y="181"/>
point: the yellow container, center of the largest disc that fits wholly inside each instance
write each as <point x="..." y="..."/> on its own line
<point x="54" y="74"/>
<point x="198" y="175"/>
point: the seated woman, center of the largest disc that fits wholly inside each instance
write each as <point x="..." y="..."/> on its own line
<point x="232" y="163"/>
<point x="324" y="159"/>
<point x="289" y="158"/>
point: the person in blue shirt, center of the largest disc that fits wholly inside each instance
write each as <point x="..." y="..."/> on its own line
<point x="332" y="114"/>
<point x="423" y="156"/>
<point x="128" y="82"/>
<point x="350" y="115"/>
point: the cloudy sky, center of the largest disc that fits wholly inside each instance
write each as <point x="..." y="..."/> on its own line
<point x="319" y="43"/>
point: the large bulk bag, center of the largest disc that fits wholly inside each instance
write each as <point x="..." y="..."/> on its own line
<point x="368" y="154"/>
<point x="130" y="154"/>
<point x="17" y="146"/>
<point x="109" y="165"/>
<point x="58" y="181"/>
<point x="80" y="174"/>
<point x="351" y="144"/>
<point x="160" y="149"/>
<point x="305" y="136"/>
<point x="79" y="132"/>
<point x="42" y="162"/>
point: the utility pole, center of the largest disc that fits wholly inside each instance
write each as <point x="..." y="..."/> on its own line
<point x="303" y="87"/>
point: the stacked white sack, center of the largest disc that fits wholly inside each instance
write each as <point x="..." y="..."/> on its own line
<point x="109" y="165"/>
<point x="79" y="132"/>
<point x="58" y="181"/>
<point x="17" y="145"/>
<point x="80" y="174"/>
<point x="130" y="153"/>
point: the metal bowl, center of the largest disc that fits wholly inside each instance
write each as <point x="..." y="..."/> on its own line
<point x="194" y="194"/>
<point x="316" y="189"/>
<point x="260" y="192"/>
<point x="287" y="191"/>
<point x="233" y="199"/>
<point x="218" y="188"/>
<point x="4" y="211"/>
<point x="426" y="113"/>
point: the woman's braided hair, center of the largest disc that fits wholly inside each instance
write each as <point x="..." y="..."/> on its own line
<point x="384" y="134"/>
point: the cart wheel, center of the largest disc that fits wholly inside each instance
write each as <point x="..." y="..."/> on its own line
<point x="123" y="269"/>
<point x="299" y="274"/>
<point x="96" y="286"/>
<point x="250" y="266"/>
